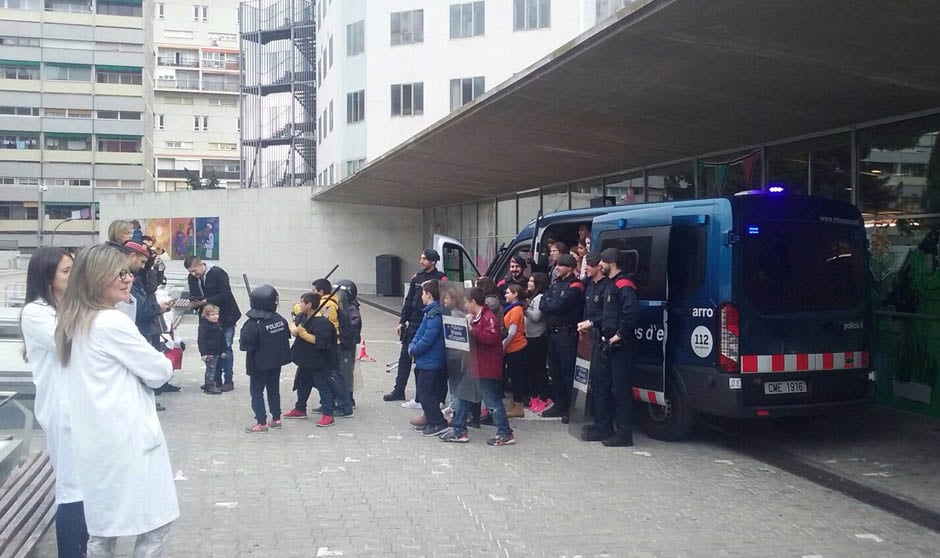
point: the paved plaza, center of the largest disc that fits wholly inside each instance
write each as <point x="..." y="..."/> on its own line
<point x="371" y="487"/>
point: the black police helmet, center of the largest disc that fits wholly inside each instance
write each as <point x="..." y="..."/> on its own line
<point x="263" y="297"/>
<point x="349" y="287"/>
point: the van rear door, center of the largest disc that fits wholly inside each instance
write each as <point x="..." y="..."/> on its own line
<point x="644" y="252"/>
<point x="456" y="262"/>
<point x="801" y="286"/>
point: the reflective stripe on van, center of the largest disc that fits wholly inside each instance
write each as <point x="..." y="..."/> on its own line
<point x="649" y="396"/>
<point x="802" y="362"/>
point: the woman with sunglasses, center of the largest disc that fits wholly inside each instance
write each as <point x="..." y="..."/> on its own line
<point x="47" y="276"/>
<point x="120" y="451"/>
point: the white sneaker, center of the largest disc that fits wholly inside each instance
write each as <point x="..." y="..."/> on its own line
<point x="411" y="404"/>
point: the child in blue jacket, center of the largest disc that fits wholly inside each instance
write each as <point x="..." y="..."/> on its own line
<point x="427" y="348"/>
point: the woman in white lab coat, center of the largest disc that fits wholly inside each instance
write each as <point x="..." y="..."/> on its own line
<point x="120" y="452"/>
<point x="46" y="279"/>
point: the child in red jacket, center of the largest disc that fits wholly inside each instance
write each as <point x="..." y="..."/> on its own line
<point x="485" y="363"/>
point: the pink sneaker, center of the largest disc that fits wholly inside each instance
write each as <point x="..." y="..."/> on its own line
<point x="545" y="403"/>
<point x="325" y="420"/>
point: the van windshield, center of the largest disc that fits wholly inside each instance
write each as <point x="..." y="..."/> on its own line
<point x="799" y="267"/>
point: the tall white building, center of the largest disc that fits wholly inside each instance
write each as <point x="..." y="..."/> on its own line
<point x="388" y="70"/>
<point x="196" y="83"/>
<point x="75" y="115"/>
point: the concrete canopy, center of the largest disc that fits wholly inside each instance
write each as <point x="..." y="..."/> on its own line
<point x="669" y="80"/>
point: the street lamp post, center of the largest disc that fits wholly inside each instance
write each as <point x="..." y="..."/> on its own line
<point x="56" y="229"/>
<point x="40" y="217"/>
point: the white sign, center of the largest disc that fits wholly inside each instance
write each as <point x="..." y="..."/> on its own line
<point x="456" y="333"/>
<point x="702" y="341"/>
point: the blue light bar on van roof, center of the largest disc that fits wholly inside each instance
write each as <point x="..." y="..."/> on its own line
<point x="775" y="189"/>
<point x="753" y="229"/>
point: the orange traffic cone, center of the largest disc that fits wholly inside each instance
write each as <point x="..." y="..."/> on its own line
<point x="363" y="355"/>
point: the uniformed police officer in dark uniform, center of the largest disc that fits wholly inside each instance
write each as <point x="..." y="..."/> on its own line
<point x="411" y="315"/>
<point x="594" y="295"/>
<point x="613" y="385"/>
<point x="563" y="305"/>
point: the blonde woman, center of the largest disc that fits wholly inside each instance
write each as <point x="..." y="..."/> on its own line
<point x="120" y="231"/>
<point x="120" y="451"/>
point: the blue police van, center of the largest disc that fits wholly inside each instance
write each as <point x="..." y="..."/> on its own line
<point x="756" y="305"/>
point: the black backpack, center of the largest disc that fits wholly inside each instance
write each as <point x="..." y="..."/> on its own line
<point x="350" y="324"/>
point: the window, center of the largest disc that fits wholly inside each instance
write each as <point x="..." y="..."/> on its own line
<point x="160" y="121"/>
<point x="178" y="145"/>
<point x="119" y="8"/>
<point x="200" y="13"/>
<point x="78" y="113"/>
<point x="531" y="14"/>
<point x="118" y="115"/>
<point x="222" y="102"/>
<point x="68" y="6"/>
<point x="407" y="27"/>
<point x="18" y="41"/>
<point x="330" y="51"/>
<point x="21" y="4"/>
<point x="10" y="70"/>
<point x="464" y="90"/>
<point x="467" y="20"/>
<point x="68" y="142"/>
<point x="606" y="8"/>
<point x="118" y="76"/>
<point x="119" y="144"/>
<point x="355" y="38"/>
<point x="355" y="106"/>
<point x="217" y="146"/>
<point x="56" y="112"/>
<point x="238" y="124"/>
<point x="220" y="167"/>
<point x="161" y="10"/>
<point x="686" y="261"/>
<point x="353" y="166"/>
<point x="331" y="115"/>
<point x="19" y="140"/>
<point x="67" y="73"/>
<point x="179" y="100"/>
<point x="19" y="111"/>
<point x="639" y="249"/>
<point x="407" y="99"/>
<point x="201" y="123"/>
<point x="331" y="174"/>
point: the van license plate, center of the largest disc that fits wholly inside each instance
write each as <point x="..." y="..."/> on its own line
<point x="774" y="388"/>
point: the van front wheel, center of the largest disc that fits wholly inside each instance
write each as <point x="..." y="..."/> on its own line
<point x="667" y="422"/>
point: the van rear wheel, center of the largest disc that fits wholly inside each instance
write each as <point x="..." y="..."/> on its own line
<point x="667" y="422"/>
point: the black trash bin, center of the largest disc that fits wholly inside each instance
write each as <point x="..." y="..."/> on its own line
<point x="388" y="275"/>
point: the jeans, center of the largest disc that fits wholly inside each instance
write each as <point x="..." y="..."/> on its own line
<point x="212" y="368"/>
<point x="226" y="370"/>
<point x="429" y="391"/>
<point x="347" y="364"/>
<point x="492" y="392"/>
<point x="461" y="414"/>
<point x="259" y="382"/>
<point x="562" y="352"/>
<point x="147" y="545"/>
<point x="342" y="392"/>
<point x="404" y="361"/>
<point x="518" y="371"/>
<point x="70" y="531"/>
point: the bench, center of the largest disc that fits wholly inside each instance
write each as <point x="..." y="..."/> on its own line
<point x="27" y="506"/>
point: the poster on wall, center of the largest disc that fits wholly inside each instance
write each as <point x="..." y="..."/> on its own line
<point x="183" y="238"/>
<point x="207" y="238"/>
<point x="159" y="230"/>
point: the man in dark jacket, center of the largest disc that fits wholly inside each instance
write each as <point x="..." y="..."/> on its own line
<point x="211" y="286"/>
<point x="411" y="315"/>
<point x="265" y="336"/>
<point x="563" y="306"/>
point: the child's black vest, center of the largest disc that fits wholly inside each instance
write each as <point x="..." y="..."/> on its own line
<point x="321" y="354"/>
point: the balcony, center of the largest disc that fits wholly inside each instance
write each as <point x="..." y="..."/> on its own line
<point x="195" y="85"/>
<point x="228" y="65"/>
<point x="174" y="62"/>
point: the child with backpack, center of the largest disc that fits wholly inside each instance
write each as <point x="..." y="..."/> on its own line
<point x="314" y="353"/>
<point x="265" y="337"/>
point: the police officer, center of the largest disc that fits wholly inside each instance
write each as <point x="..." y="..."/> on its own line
<point x="595" y="294"/>
<point x="613" y="393"/>
<point x="516" y="276"/>
<point x="563" y="305"/>
<point x="411" y="318"/>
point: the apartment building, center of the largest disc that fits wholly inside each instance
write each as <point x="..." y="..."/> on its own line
<point x="75" y="110"/>
<point x="196" y="91"/>
<point x="388" y="70"/>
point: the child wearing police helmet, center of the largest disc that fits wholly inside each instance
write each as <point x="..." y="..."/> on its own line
<point x="265" y="337"/>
